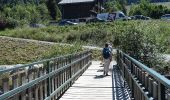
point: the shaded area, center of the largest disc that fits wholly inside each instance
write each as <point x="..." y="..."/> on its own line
<point x="93" y="85"/>
<point x="120" y="90"/>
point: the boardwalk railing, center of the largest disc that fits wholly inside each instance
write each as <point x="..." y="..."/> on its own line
<point x="144" y="83"/>
<point x="47" y="79"/>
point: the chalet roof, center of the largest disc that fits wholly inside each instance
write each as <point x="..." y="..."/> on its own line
<point x="74" y="1"/>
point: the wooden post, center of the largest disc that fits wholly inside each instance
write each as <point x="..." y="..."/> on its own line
<point x="131" y="67"/>
<point x="150" y="87"/>
<point x="23" y="81"/>
<point x="140" y="75"/>
<point x="70" y="69"/>
<point x="146" y="81"/>
<point x="5" y="84"/>
<point x="55" y="84"/>
<point x="15" y="85"/>
<point x="143" y="77"/>
<point x="132" y="87"/>
<point x="41" y="83"/>
<point x="36" y="87"/>
<point x="155" y="90"/>
<point x="45" y="84"/>
<point x="48" y="70"/>
<point x="135" y="70"/>
<point x="52" y="86"/>
<point x="57" y="81"/>
<point x="161" y="91"/>
<point x="168" y="96"/>
<point x="30" y="78"/>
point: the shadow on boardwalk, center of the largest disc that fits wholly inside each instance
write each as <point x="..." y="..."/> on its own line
<point x="92" y="85"/>
<point x="120" y="89"/>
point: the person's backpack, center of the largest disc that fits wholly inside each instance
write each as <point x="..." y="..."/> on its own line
<point x="106" y="53"/>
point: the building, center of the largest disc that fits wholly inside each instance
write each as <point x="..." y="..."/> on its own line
<point x="78" y="9"/>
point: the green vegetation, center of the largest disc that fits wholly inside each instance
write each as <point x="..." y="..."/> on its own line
<point x="149" y="9"/>
<point x="143" y="40"/>
<point x="20" y="52"/>
<point x="115" y="5"/>
<point x="20" y="13"/>
<point x="95" y="33"/>
<point x="164" y="4"/>
<point x="53" y="9"/>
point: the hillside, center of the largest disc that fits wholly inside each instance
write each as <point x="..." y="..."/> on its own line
<point x="15" y="51"/>
<point x="92" y="34"/>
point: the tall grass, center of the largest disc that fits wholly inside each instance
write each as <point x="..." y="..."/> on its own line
<point x="144" y="39"/>
<point x="95" y="33"/>
<point x="20" y="52"/>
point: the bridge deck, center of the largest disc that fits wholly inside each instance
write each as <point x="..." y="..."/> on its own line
<point x="92" y="85"/>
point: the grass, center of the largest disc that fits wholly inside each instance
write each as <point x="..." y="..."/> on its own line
<point x="14" y="52"/>
<point x="157" y="32"/>
<point x="94" y="33"/>
<point x="21" y="52"/>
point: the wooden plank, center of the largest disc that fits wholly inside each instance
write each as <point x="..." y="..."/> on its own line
<point x="92" y="85"/>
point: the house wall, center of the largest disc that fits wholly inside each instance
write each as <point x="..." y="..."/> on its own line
<point x="77" y="10"/>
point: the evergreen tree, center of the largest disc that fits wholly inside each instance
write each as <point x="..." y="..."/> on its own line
<point x="52" y="7"/>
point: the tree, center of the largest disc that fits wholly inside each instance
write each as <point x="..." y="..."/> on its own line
<point x="140" y="45"/>
<point x="152" y="10"/>
<point x="115" y="5"/>
<point x="52" y="7"/>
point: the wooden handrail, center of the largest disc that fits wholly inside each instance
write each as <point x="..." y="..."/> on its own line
<point x="49" y="81"/>
<point x="144" y="82"/>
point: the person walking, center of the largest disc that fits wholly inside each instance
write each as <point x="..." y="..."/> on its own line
<point x="107" y="58"/>
<point x="111" y="50"/>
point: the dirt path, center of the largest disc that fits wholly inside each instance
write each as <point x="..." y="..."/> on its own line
<point x="167" y="56"/>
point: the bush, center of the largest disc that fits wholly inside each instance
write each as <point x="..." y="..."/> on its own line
<point x="115" y="5"/>
<point x="147" y="9"/>
<point x="141" y="43"/>
<point x="8" y="23"/>
<point x="21" y="14"/>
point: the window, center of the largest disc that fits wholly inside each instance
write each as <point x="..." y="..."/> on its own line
<point x="121" y="15"/>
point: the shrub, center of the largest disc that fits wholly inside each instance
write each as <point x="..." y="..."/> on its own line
<point x="147" y="9"/>
<point x="141" y="43"/>
<point x="22" y="14"/>
<point x="115" y="5"/>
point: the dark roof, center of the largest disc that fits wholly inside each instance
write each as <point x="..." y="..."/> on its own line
<point x="74" y="1"/>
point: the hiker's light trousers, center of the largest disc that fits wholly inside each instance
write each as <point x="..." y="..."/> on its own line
<point x="106" y="65"/>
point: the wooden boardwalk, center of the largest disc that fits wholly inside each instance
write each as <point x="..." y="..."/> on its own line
<point x="92" y="85"/>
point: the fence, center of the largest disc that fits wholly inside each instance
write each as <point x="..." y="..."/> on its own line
<point x="144" y="83"/>
<point x="43" y="80"/>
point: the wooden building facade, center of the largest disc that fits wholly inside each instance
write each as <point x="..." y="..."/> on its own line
<point x="74" y="9"/>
